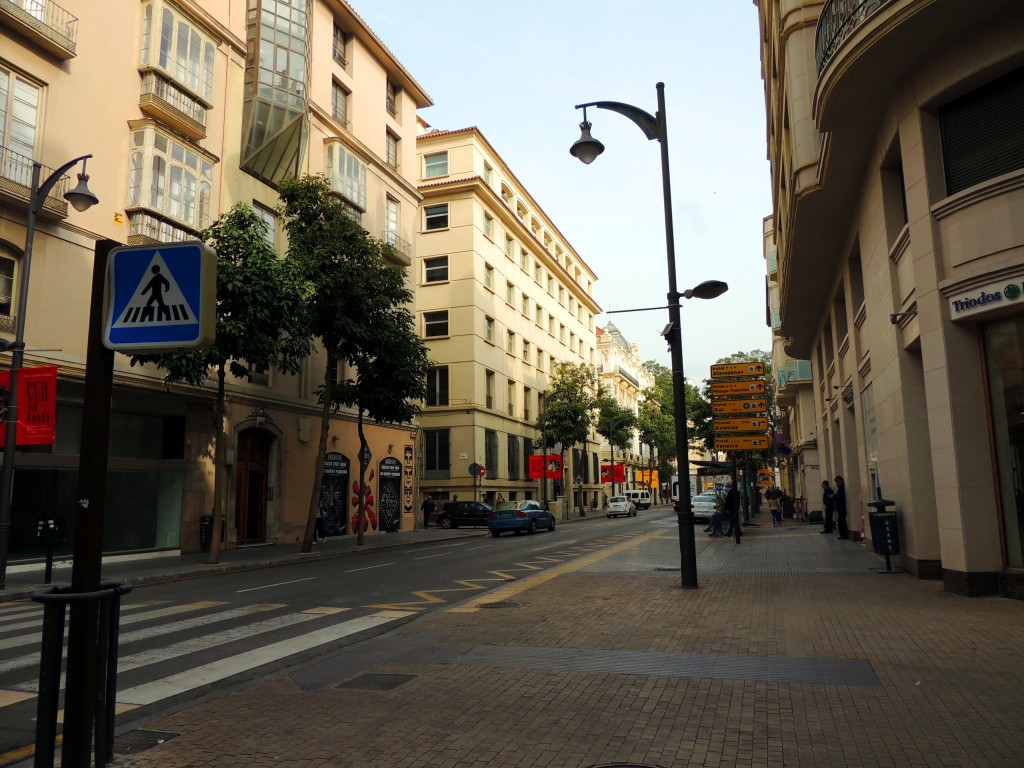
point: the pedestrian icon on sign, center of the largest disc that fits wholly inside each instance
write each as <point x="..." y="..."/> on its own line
<point x="156" y="286"/>
<point x="165" y="305"/>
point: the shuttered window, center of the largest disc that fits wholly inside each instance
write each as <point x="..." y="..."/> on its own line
<point x="983" y="133"/>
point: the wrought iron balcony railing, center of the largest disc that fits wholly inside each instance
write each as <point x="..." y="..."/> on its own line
<point x="404" y="247"/>
<point x="16" y="180"/>
<point x="173" y="105"/>
<point x="839" y="19"/>
<point x="45" y="22"/>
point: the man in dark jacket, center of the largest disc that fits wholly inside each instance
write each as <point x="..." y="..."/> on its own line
<point x="428" y="509"/>
<point x="732" y="512"/>
<point x="844" y="531"/>
<point x="828" y="500"/>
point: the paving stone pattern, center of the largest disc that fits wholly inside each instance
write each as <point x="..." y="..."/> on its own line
<point x="567" y="674"/>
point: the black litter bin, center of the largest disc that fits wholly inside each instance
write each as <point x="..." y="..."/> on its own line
<point x="205" y="531"/>
<point x="885" y="529"/>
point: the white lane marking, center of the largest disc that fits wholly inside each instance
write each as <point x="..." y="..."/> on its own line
<point x="368" y="568"/>
<point x="485" y="546"/>
<point x="172" y="685"/>
<point x="439" y="554"/>
<point x="38" y="618"/>
<point x="279" y="584"/>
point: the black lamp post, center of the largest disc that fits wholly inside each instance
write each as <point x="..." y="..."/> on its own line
<point x="586" y="149"/>
<point x="81" y="199"/>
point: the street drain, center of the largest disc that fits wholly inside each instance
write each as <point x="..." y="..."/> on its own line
<point x="377" y="682"/>
<point x="138" y="741"/>
<point x="500" y="604"/>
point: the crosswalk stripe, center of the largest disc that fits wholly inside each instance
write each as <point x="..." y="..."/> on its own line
<point x="36" y="614"/>
<point x="172" y="685"/>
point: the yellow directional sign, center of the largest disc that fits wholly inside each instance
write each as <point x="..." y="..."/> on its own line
<point x="741" y="425"/>
<point x="719" y="388"/>
<point x="727" y="370"/>
<point x="758" y="405"/>
<point x="741" y="443"/>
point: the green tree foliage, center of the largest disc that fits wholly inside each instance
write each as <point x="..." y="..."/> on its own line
<point x="358" y="309"/>
<point x="261" y="324"/>
<point x="570" y="400"/>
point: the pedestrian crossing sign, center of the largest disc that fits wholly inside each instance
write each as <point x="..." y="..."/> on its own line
<point x="160" y="297"/>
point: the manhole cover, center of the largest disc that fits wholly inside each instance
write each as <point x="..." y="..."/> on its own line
<point x="500" y="604"/>
<point x="138" y="741"/>
<point x="377" y="682"/>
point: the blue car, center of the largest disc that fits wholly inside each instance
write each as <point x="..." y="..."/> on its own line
<point x="519" y="516"/>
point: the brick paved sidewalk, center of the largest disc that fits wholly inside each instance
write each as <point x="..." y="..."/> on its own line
<point x="795" y="651"/>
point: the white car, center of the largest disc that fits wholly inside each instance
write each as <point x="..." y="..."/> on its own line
<point x="620" y="505"/>
<point x="704" y="505"/>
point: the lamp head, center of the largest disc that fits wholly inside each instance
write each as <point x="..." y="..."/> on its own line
<point x="80" y="197"/>
<point x="586" y="148"/>
<point x="710" y="289"/>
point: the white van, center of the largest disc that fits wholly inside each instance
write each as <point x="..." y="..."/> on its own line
<point x="641" y="498"/>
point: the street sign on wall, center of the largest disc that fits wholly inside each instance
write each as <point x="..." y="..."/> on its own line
<point x="160" y="297"/>
<point x="727" y="370"/>
<point x="720" y="388"/>
<point x="758" y="405"/>
<point x="757" y="424"/>
<point x="741" y="443"/>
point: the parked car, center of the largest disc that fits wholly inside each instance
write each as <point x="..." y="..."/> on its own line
<point x="641" y="497"/>
<point x="456" y="513"/>
<point x="621" y="505"/>
<point x="518" y="516"/>
<point x="704" y="505"/>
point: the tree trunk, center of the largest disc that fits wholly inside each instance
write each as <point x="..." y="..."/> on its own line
<point x="321" y="454"/>
<point x="361" y="509"/>
<point x="219" y="468"/>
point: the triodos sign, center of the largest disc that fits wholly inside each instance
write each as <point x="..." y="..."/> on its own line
<point x="984" y="299"/>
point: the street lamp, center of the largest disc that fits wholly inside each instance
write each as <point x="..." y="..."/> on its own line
<point x="586" y="149"/>
<point x="81" y="199"/>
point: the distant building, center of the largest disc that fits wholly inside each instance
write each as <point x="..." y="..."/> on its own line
<point x="897" y="162"/>
<point x="501" y="298"/>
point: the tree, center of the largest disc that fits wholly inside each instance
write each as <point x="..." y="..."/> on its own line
<point x="657" y="431"/>
<point x="615" y="424"/>
<point x="358" y="309"/>
<point x="261" y="324"/>
<point x="569" y="404"/>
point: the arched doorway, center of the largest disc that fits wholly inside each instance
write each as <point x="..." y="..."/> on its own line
<point x="389" y="489"/>
<point x="334" y="494"/>
<point x="252" y="470"/>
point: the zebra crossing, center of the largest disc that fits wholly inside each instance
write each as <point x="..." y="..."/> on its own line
<point x="169" y="649"/>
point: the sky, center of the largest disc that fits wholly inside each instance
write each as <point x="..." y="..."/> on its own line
<point x="516" y="70"/>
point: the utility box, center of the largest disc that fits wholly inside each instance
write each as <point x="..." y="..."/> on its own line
<point x="205" y="531"/>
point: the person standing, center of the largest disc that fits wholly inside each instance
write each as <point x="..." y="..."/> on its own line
<point x="319" y="535"/>
<point x="775" y="506"/>
<point x="732" y="511"/>
<point x="828" y="500"/>
<point x="844" y="531"/>
<point x="427" y="507"/>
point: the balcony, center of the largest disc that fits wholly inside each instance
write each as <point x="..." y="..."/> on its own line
<point x="790" y="375"/>
<point x="172" y="106"/>
<point x="402" y="248"/>
<point x="44" y="23"/>
<point x="16" y="182"/>
<point x="146" y="229"/>
<point x="773" y="264"/>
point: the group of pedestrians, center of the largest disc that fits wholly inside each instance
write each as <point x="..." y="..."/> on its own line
<point x="835" y="505"/>
<point x="730" y="513"/>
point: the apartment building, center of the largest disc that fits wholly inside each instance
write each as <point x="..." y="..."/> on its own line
<point x="622" y="375"/>
<point x="188" y="108"/>
<point x="502" y="298"/>
<point x="897" y="161"/>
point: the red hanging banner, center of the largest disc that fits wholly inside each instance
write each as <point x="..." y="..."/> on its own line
<point x="37" y="405"/>
<point x="552" y="461"/>
<point x="608" y="476"/>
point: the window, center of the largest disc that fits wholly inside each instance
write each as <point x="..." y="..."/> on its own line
<point x="510" y="342"/>
<point x="489" y="226"/>
<point x="561" y="333"/>
<point x="435" y="324"/>
<point x="435" y="269"/>
<point x="488" y="277"/>
<point x="506" y="194"/>
<point x="489" y="389"/>
<point x="510" y="293"/>
<point x="536" y="271"/>
<point x="270" y="220"/>
<point x="435" y="165"/>
<point x="526" y="305"/>
<point x="437" y="385"/>
<point x="513" y="457"/>
<point x="538" y="315"/>
<point x="561" y="295"/>
<point x="489" y="329"/>
<point x="524" y="260"/>
<point x="171" y="178"/>
<point x="510" y="405"/>
<point x="527" y="394"/>
<point x="437" y="451"/>
<point x="572" y="305"/>
<point x="391" y="233"/>
<point x="7" y="264"/>
<point x="436" y="217"/>
<point x="346" y="174"/>
<point x="509" y="246"/>
<point x="540" y="359"/>
<point x="174" y="44"/>
<point x="551" y="286"/>
<point x="340" y="48"/>
<point x="339" y="103"/>
<point x="572" y="340"/>
<point x="391" y="98"/>
<point x="526" y="351"/>
<point x="488" y="173"/>
<point x="491" y="452"/>
<point x="551" y="324"/>
<point x="391" y="147"/>
<point x="19" y="116"/>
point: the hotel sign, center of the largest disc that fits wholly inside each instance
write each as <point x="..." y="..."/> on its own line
<point x="720" y="388"/>
<point x="993" y="296"/>
<point x="759" y="405"/>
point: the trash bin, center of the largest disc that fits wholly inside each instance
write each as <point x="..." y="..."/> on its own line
<point x="205" y="531"/>
<point x="885" y="529"/>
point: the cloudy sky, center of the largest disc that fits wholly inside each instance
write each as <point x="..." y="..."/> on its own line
<point x="517" y="69"/>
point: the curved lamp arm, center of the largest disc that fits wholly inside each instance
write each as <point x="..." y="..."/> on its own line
<point x="647" y="122"/>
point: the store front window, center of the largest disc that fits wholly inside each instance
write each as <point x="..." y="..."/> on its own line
<point x="1004" y="353"/>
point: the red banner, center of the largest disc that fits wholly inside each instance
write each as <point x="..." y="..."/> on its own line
<point x="619" y="475"/>
<point x="37" y="405"/>
<point x="554" y="466"/>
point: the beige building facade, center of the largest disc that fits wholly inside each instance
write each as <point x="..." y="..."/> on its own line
<point x="502" y="298"/>
<point x="897" y="156"/>
<point x="187" y="109"/>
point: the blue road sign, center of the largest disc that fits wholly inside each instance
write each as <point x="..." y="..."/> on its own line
<point x="160" y="297"/>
